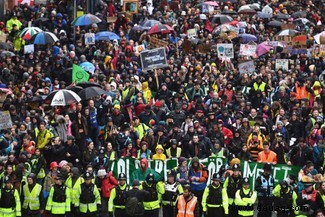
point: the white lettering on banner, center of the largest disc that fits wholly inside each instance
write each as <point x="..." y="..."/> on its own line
<point x="159" y="166"/>
<point x="253" y="174"/>
<point x="121" y="166"/>
<point x="113" y="166"/>
<point x="154" y="58"/>
<point x="127" y="168"/>
<point x="285" y="169"/>
<point x="274" y="172"/>
<point x="211" y="170"/>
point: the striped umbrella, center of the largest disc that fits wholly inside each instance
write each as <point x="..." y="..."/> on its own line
<point x="29" y="32"/>
<point x="44" y="38"/>
<point x="62" y="98"/>
<point x="86" y="20"/>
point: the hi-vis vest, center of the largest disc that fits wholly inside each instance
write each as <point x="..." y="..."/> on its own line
<point x="178" y="152"/>
<point x="31" y="199"/>
<point x="260" y="86"/>
<point x="301" y="92"/>
<point x="186" y="209"/>
<point x="265" y="184"/>
<point x="219" y="154"/>
<point x="41" y="173"/>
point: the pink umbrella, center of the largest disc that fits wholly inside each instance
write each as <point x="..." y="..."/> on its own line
<point x="211" y="3"/>
<point x="263" y="48"/>
<point x="6" y="91"/>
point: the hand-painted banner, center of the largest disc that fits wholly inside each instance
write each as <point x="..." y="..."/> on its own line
<point x="212" y="164"/>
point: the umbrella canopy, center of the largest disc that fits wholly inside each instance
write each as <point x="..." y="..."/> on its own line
<point x="275" y="23"/>
<point x="281" y="16"/>
<point x="88" y="84"/>
<point x="246" y="9"/>
<point x="221" y="19"/>
<point x="88" y="66"/>
<point x="264" y="15"/>
<point x="91" y="92"/>
<point x="160" y="28"/>
<point x="231" y="1"/>
<point x="303" y="21"/>
<point x="106" y="35"/>
<point x="5" y="46"/>
<point x="299" y="14"/>
<point x="137" y="28"/>
<point x="263" y="48"/>
<point x="75" y="89"/>
<point x="225" y="28"/>
<point x="255" y="6"/>
<point x="247" y="38"/>
<point x="44" y="38"/>
<point x="149" y="23"/>
<point x="86" y="20"/>
<point x="228" y="12"/>
<point x="317" y="37"/>
<point x="29" y="32"/>
<point x="211" y="3"/>
<point x="37" y="98"/>
<point x="62" y="98"/>
<point x="7" y="53"/>
<point x="6" y="91"/>
<point x="287" y="32"/>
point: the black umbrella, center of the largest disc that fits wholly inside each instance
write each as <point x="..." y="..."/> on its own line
<point x="299" y="14"/>
<point x="221" y="19"/>
<point x="282" y="16"/>
<point x="275" y="23"/>
<point x="37" y="98"/>
<point x="75" y="89"/>
<point x="91" y="92"/>
<point x="86" y="84"/>
<point x="5" y="46"/>
<point x="228" y="12"/>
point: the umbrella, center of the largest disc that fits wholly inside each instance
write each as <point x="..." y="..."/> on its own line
<point x="281" y="16"/>
<point x="275" y="23"/>
<point x="86" y="20"/>
<point x="247" y="38"/>
<point x="263" y="48"/>
<point x="264" y="15"/>
<point x="225" y="28"/>
<point x="211" y="3"/>
<point x="106" y="35"/>
<point x="255" y="6"/>
<point x="160" y="28"/>
<point x="7" y="53"/>
<point x="299" y="14"/>
<point x="5" y="46"/>
<point x="6" y="91"/>
<point x="44" y="38"/>
<point x="41" y="19"/>
<point x="303" y="21"/>
<point x="287" y="32"/>
<point x="231" y="1"/>
<point x="229" y="12"/>
<point x="149" y="23"/>
<point x="86" y="84"/>
<point x="317" y="37"/>
<point x="88" y="66"/>
<point x="27" y="33"/>
<point x="137" y="28"/>
<point x="247" y="11"/>
<point x="75" y="89"/>
<point x="37" y="98"/>
<point x="62" y="98"/>
<point x="221" y="19"/>
<point x="91" y="92"/>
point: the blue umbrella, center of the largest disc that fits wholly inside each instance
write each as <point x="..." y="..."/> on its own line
<point x="149" y="23"/>
<point x="44" y="38"/>
<point x="87" y="66"/>
<point x="86" y="20"/>
<point x="106" y="35"/>
<point x="247" y="38"/>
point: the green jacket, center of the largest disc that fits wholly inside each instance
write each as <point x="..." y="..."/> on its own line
<point x="141" y="176"/>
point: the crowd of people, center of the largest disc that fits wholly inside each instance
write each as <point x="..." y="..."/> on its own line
<point x="56" y="160"/>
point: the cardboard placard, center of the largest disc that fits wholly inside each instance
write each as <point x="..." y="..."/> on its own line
<point x="282" y="64"/>
<point x="5" y="120"/>
<point x="191" y="33"/>
<point x="28" y="49"/>
<point x="153" y="59"/>
<point x="246" y="67"/>
<point x="157" y="43"/>
<point x="89" y="38"/>
<point x="248" y="49"/>
<point x="225" y="50"/>
<point x="139" y="48"/>
<point x="131" y="6"/>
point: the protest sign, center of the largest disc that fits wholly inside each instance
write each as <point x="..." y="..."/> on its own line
<point x="191" y="33"/>
<point x="5" y="120"/>
<point x="89" y="38"/>
<point x="225" y="50"/>
<point x="248" y="49"/>
<point x="153" y="59"/>
<point x="29" y="49"/>
<point x="139" y="48"/>
<point x="246" y="67"/>
<point x="282" y="64"/>
<point x="157" y="43"/>
<point x="249" y="169"/>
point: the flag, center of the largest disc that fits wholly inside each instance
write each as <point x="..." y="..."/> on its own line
<point x="79" y="74"/>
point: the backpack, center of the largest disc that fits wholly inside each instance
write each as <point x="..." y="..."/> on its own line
<point x="133" y="207"/>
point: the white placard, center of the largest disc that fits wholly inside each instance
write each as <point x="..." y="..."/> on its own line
<point x="282" y="64"/>
<point x="225" y="50"/>
<point x="5" y="120"/>
<point x="139" y="48"/>
<point x="191" y="33"/>
<point x="28" y="49"/>
<point x="247" y="49"/>
<point x="246" y="67"/>
<point x="89" y="38"/>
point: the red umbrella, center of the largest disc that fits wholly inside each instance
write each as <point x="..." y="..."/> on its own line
<point x="160" y="28"/>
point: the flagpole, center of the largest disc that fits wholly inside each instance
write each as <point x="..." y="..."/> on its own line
<point x="74" y="17"/>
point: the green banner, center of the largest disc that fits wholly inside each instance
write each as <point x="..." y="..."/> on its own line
<point x="213" y="164"/>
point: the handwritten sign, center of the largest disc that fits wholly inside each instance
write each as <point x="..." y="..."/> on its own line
<point x="191" y="33"/>
<point x="28" y="49"/>
<point x="89" y="38"/>
<point x="225" y="50"/>
<point x="247" y="49"/>
<point x="246" y="67"/>
<point x="282" y="64"/>
<point x="157" y="43"/>
<point x="153" y="59"/>
<point x="5" y="120"/>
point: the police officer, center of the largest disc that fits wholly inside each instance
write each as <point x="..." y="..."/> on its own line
<point x="140" y="195"/>
<point x="32" y="198"/>
<point x="58" y="202"/>
<point x="264" y="186"/>
<point x="215" y="198"/>
<point x="232" y="184"/>
<point x="9" y="200"/>
<point x="245" y="199"/>
<point x="152" y="202"/>
<point x="286" y="199"/>
<point x="73" y="182"/>
<point x="117" y="198"/>
<point x="88" y="198"/>
<point x="172" y="190"/>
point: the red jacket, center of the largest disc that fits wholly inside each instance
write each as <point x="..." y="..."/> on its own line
<point x="107" y="184"/>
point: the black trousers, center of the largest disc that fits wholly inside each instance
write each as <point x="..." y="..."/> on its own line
<point x="58" y="215"/>
<point x="199" y="195"/>
<point x="264" y="207"/>
<point x="233" y="211"/>
<point x="215" y="211"/>
<point x="285" y="214"/>
<point x="120" y="213"/>
<point x="88" y="214"/>
<point x="169" y="210"/>
<point x="151" y="213"/>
